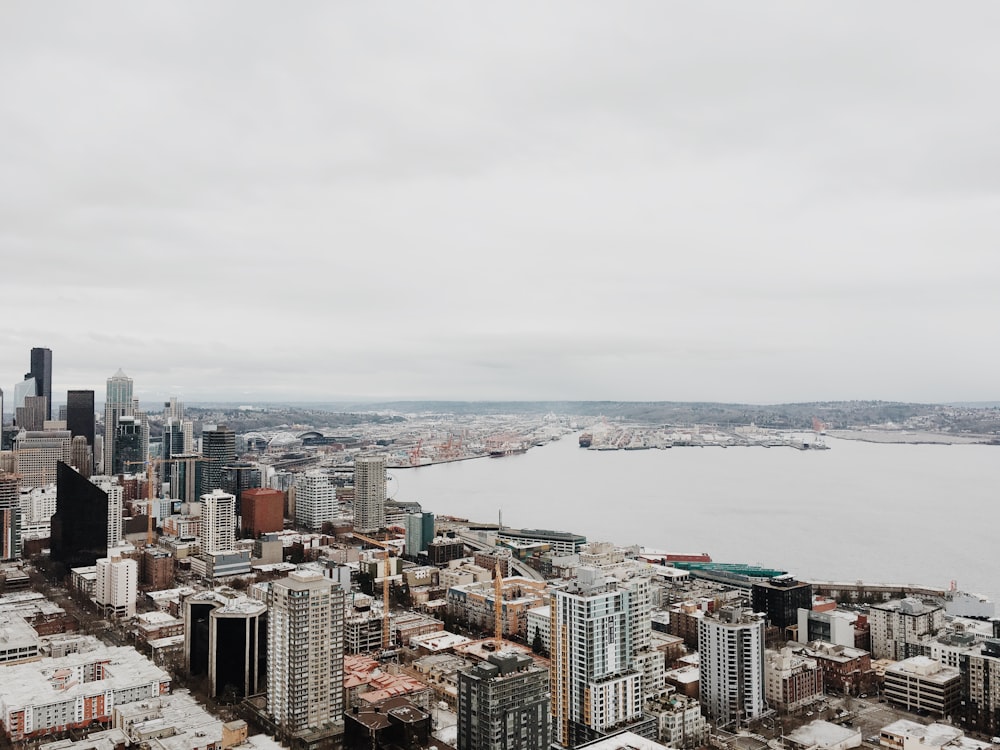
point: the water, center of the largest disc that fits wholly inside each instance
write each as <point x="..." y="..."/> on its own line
<point x="921" y="514"/>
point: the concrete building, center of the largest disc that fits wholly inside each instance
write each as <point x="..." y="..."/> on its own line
<point x="10" y="517"/>
<point x="475" y="605"/>
<point x="262" y="511"/>
<point x="503" y="704"/>
<point x="315" y="500"/>
<point x="217" y="525"/>
<point x="560" y="542"/>
<point x="731" y="647"/>
<point x="922" y="684"/>
<point x="72" y="692"/>
<point x="980" y="670"/>
<point x="38" y="453"/>
<point x="899" y="628"/>
<point x="845" y="670"/>
<point x="595" y="685"/>
<point x="679" y="721"/>
<point x="225" y="638"/>
<point x="791" y="680"/>
<point x="824" y="735"/>
<point x="305" y="653"/>
<point x="442" y="550"/>
<point x="909" y="735"/>
<point x="831" y="626"/>
<point x="115" y="494"/>
<point x="369" y="493"/>
<point x="116" y="586"/>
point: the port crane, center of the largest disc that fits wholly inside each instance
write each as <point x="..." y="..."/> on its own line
<point x="386" y="635"/>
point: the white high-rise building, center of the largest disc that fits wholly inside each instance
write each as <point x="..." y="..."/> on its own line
<point x="217" y="527"/>
<point x="116" y="497"/>
<point x="731" y="652"/>
<point x="315" y="499"/>
<point x="305" y="652"/>
<point x="369" y="493"/>
<point x="116" y="586"/>
<point x="595" y="685"/>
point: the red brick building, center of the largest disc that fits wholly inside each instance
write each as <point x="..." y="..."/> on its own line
<point x="261" y="511"/>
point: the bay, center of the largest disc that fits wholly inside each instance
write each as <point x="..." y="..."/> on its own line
<point x="896" y="513"/>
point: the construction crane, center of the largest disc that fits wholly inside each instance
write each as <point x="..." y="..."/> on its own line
<point x="150" y="496"/>
<point x="386" y="635"/>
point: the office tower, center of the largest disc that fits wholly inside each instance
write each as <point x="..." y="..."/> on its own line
<point x="315" y="499"/>
<point x="80" y="455"/>
<point x="503" y="704"/>
<point x="419" y="532"/>
<point x="38" y="452"/>
<point x="184" y="477"/>
<point x="80" y="523"/>
<point x="31" y="416"/>
<point x="116" y="586"/>
<point x="731" y="648"/>
<point x="369" y="493"/>
<point x="239" y="476"/>
<point x="594" y="683"/>
<point x="27" y="387"/>
<point x="119" y="404"/>
<point x="218" y="447"/>
<point x="10" y="517"/>
<point x="225" y="637"/>
<point x="262" y="511"/>
<point x="116" y="494"/>
<point x="780" y="600"/>
<point x="305" y="653"/>
<point x="217" y="528"/>
<point x="129" y="446"/>
<point x="173" y="409"/>
<point x="41" y="371"/>
<point x="80" y="414"/>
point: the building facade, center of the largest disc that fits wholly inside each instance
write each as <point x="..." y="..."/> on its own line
<point x="503" y="704"/>
<point x="116" y="586"/>
<point x="262" y="511"/>
<point x="369" y="493"/>
<point x="217" y="528"/>
<point x="731" y="649"/>
<point x="315" y="500"/>
<point x="900" y="628"/>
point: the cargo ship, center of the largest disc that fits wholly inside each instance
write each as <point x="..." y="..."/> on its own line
<point x="586" y="439"/>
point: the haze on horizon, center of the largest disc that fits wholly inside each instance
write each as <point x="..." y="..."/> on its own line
<point x="656" y="201"/>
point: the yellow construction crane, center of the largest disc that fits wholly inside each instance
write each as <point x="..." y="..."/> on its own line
<point x="386" y="635"/>
<point x="150" y="496"/>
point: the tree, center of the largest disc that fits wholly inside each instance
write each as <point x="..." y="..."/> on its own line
<point x="537" y="645"/>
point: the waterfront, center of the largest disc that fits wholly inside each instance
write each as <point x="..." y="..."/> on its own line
<point x="860" y="511"/>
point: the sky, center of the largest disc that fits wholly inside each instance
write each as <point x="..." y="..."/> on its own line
<point x="714" y="201"/>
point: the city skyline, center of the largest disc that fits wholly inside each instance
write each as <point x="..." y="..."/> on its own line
<point x="586" y="202"/>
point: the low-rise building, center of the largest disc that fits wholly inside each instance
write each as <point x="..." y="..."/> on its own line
<point x="909" y="735"/>
<point x="922" y="684"/>
<point x="823" y="735"/>
<point x="679" y="721"/>
<point x="474" y="603"/>
<point x="845" y="670"/>
<point x="791" y="680"/>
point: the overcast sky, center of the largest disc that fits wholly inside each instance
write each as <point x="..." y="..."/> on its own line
<point x="753" y="202"/>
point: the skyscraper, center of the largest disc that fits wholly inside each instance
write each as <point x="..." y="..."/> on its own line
<point x="31" y="416"/>
<point x="80" y="523"/>
<point x="80" y="414"/>
<point x="217" y="527"/>
<point x="731" y="648"/>
<point x="503" y="704"/>
<point x="595" y="685"/>
<point x="10" y="517"/>
<point x="315" y="499"/>
<point x="218" y="446"/>
<point x="117" y="404"/>
<point x="38" y="453"/>
<point x="305" y="653"/>
<point x="41" y="371"/>
<point x="369" y="493"/>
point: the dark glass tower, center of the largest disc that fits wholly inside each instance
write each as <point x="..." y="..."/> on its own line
<point x="41" y="371"/>
<point x="80" y="414"/>
<point x="80" y="523"/>
<point x="218" y="446"/>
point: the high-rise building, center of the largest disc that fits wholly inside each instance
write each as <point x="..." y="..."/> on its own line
<point x="315" y="499"/>
<point x="503" y="704"/>
<point x="239" y="476"/>
<point x="81" y="455"/>
<point x="10" y="517"/>
<point x="900" y="627"/>
<point x="225" y="638"/>
<point x="780" y="600"/>
<point x="80" y="414"/>
<point x="80" y="523"/>
<point x="217" y="528"/>
<point x="41" y="371"/>
<point x="27" y="387"/>
<point x="218" y="447"/>
<point x="31" y="415"/>
<point x="116" y="501"/>
<point x="419" y="532"/>
<point x="173" y="409"/>
<point x="305" y="653"/>
<point x="38" y="452"/>
<point x="594" y="683"/>
<point x="369" y="493"/>
<point x="262" y="511"/>
<point x="731" y="650"/>
<point x="116" y="586"/>
<point x="119" y="405"/>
